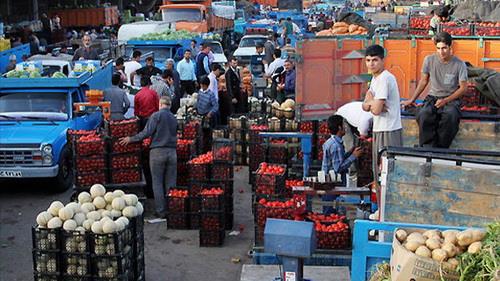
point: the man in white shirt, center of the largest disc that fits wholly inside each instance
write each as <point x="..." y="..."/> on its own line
<point x="214" y="85"/>
<point x="269" y="69"/>
<point x="359" y="119"/>
<point x="132" y="66"/>
<point x="382" y="100"/>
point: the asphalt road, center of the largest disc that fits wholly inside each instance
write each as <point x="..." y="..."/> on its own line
<point x="170" y="254"/>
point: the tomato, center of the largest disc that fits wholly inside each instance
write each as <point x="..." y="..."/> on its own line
<point x="123" y="128"/>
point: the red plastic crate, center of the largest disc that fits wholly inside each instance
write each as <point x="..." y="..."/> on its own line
<point x="177" y="204"/>
<point x="330" y="240"/>
<point x="212" y="202"/>
<point x="199" y="172"/>
<point x="123" y="128"/>
<point x="265" y="212"/>
<point x="178" y="221"/>
<point x="221" y="171"/>
<point x="90" y="178"/>
<point x="125" y="161"/>
<point x="116" y="147"/>
<point x="87" y="147"/>
<point x="126" y="176"/>
<point x="212" y="221"/>
<point x="84" y="164"/>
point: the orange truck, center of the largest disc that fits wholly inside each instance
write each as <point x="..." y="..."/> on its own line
<point x="106" y="16"/>
<point x="198" y="16"/>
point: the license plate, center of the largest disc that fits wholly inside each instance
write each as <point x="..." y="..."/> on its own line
<point x="11" y="174"/>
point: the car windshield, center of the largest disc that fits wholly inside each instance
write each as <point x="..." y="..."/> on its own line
<point x="216" y="48"/>
<point x="252" y="41"/>
<point x="34" y="106"/>
<point x="239" y="15"/>
<point x="159" y="53"/>
<point x="175" y="15"/>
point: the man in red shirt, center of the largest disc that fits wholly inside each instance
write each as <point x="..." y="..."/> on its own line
<point x="145" y="102"/>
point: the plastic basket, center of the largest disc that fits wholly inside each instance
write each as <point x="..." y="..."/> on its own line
<point x="199" y="172"/>
<point x="212" y="221"/>
<point x="116" y="147"/>
<point x="46" y="262"/>
<point x="46" y="276"/>
<point x="264" y="212"/>
<point x="75" y="265"/>
<point x="222" y="171"/>
<point x="119" y="264"/>
<point x="212" y="238"/>
<point x="333" y="240"/>
<point x="75" y="242"/>
<point x="238" y="135"/>
<point x="89" y="147"/>
<point x="119" y="243"/>
<point x="85" y="164"/>
<point x="220" y="132"/>
<point x="177" y="204"/>
<point x="186" y="150"/>
<point x="182" y="173"/>
<point x="223" y="150"/>
<point x="123" y="128"/>
<point x="237" y="122"/>
<point x="124" y="161"/>
<point x="266" y="179"/>
<point x="86" y="180"/>
<point x="45" y="239"/>
<point x="462" y="30"/>
<point x="487" y="30"/>
<point x="131" y="175"/>
<point x="212" y="202"/>
<point x="178" y="221"/>
<point x="194" y="220"/>
<point x="191" y="130"/>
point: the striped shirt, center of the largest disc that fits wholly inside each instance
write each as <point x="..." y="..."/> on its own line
<point x="206" y="102"/>
<point x="335" y="158"/>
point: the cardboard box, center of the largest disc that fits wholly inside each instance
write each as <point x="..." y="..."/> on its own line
<point x="407" y="266"/>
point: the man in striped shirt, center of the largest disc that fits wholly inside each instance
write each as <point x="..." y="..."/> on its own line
<point x="207" y="105"/>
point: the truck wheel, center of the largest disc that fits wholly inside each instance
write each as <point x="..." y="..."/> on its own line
<point x="64" y="179"/>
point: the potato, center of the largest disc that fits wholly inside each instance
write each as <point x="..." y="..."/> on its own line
<point x="412" y="245"/>
<point x="417" y="237"/>
<point x="464" y="238"/>
<point x="423" y="252"/>
<point x="453" y="262"/>
<point x="439" y="255"/>
<point x="433" y="243"/>
<point x="432" y="233"/>
<point x="474" y="248"/>
<point x="401" y="235"/>
<point x="450" y="236"/>
<point x="450" y="249"/>
<point x="478" y="234"/>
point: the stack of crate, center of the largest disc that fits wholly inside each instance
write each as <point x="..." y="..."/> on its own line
<point x="222" y="174"/>
<point x="73" y="255"/>
<point x="212" y="217"/>
<point x="125" y="162"/>
<point x="239" y="134"/>
<point x="178" y="209"/>
<point x="89" y="158"/>
<point x="257" y="149"/>
<point x="185" y="151"/>
<point x="199" y="169"/>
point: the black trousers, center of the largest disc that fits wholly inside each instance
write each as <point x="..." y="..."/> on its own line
<point x="438" y="126"/>
<point x="187" y="87"/>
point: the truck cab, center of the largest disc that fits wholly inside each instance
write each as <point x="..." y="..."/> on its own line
<point x="35" y="114"/>
<point x="160" y="50"/>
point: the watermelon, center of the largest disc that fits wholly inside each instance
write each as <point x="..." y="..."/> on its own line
<point x="35" y="74"/>
<point x="59" y="74"/>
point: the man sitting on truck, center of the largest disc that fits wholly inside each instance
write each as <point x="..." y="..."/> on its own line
<point x="118" y="98"/>
<point x="86" y="52"/>
<point x="439" y="118"/>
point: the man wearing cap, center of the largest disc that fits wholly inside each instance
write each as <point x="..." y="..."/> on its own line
<point x="12" y="63"/>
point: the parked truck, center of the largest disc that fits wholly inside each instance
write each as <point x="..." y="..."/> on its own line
<point x="35" y="114"/>
<point x="17" y="51"/>
<point x="84" y="17"/>
<point x="199" y="16"/>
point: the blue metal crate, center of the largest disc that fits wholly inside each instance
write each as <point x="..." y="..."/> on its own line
<point x="366" y="254"/>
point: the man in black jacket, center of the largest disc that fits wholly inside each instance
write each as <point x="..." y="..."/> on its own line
<point x="162" y="128"/>
<point x="233" y="81"/>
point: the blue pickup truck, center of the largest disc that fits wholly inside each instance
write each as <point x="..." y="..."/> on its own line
<point x="35" y="114"/>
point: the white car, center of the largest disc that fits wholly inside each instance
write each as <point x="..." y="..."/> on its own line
<point x="218" y="52"/>
<point x="246" y="48"/>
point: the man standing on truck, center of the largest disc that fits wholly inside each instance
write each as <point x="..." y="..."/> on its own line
<point x="149" y="70"/>
<point x="186" y="69"/>
<point x="439" y="118"/>
<point x="132" y="66"/>
<point x="382" y="100"/>
<point x="86" y="52"/>
<point x="145" y="102"/>
<point x="118" y="98"/>
<point x="162" y="128"/>
<point x="202" y="62"/>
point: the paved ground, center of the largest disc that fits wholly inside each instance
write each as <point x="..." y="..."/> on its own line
<point x="170" y="254"/>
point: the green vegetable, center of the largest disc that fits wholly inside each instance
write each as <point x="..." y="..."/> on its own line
<point x="484" y="265"/>
<point x="35" y="74"/>
<point x="59" y="74"/>
<point x="167" y="35"/>
<point x="382" y="272"/>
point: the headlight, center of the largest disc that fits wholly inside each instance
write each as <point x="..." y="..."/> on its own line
<point x="47" y="159"/>
<point x="47" y="149"/>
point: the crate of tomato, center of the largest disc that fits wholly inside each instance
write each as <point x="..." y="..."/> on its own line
<point x="223" y="150"/>
<point x="199" y="167"/>
<point x="276" y="209"/>
<point x="487" y="29"/>
<point x="212" y="199"/>
<point x="456" y="29"/>
<point x="178" y="200"/>
<point x="87" y="164"/>
<point x="124" y="160"/>
<point x="130" y="175"/>
<point x="91" y="144"/>
<point x="271" y="174"/>
<point x="116" y="147"/>
<point x="122" y="128"/>
<point x="191" y="130"/>
<point x="87" y="179"/>
<point x="335" y="235"/>
<point x="185" y="149"/>
<point x="255" y="131"/>
<point x="222" y="171"/>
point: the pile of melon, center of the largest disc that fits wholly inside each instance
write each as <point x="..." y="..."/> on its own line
<point x="342" y="28"/>
<point x="442" y="246"/>
<point x="99" y="211"/>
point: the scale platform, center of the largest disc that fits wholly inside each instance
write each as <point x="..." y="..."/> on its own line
<point x="253" y="272"/>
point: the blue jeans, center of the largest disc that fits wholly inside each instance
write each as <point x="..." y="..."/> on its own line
<point x="163" y="164"/>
